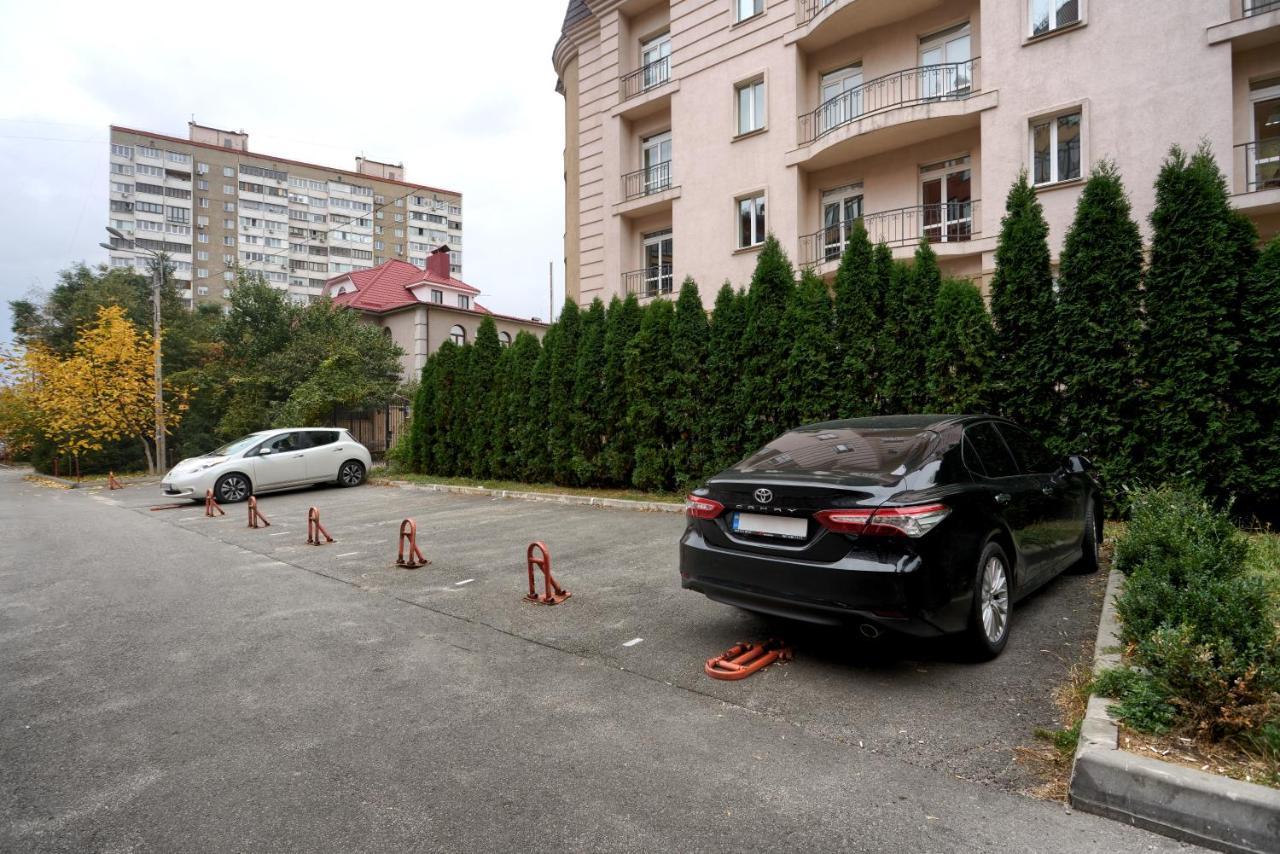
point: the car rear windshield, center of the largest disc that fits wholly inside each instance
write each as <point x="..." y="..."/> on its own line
<point x="844" y="449"/>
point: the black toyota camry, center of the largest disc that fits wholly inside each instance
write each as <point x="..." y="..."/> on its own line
<point x="920" y="524"/>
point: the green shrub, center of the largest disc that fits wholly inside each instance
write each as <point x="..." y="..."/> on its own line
<point x="1142" y="703"/>
<point x="1177" y="534"/>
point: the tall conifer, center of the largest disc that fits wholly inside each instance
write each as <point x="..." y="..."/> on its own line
<point x="649" y="392"/>
<point x="764" y="349"/>
<point x="858" y="309"/>
<point x="588" y="396"/>
<point x="724" y="416"/>
<point x="563" y="373"/>
<point x="960" y="353"/>
<point x="810" y="389"/>
<point x="690" y="341"/>
<point x="617" y="455"/>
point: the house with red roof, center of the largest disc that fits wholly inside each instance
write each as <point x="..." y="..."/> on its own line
<point x="421" y="309"/>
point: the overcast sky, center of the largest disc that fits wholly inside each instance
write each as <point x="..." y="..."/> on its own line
<point x="462" y="93"/>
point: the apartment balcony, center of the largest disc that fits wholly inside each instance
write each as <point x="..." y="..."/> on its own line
<point x="889" y="112"/>
<point x="647" y="191"/>
<point x="1258" y="195"/>
<point x="653" y="281"/>
<point x="646" y="91"/>
<point x="1258" y="25"/>
<point x="821" y="23"/>
<point x="953" y="228"/>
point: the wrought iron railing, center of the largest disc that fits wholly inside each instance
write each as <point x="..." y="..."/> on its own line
<point x="1259" y="7"/>
<point x="646" y="77"/>
<point x="947" y="81"/>
<point x="807" y="10"/>
<point x="647" y="181"/>
<point x="648" y="282"/>
<point x="946" y="222"/>
<point x="1261" y="164"/>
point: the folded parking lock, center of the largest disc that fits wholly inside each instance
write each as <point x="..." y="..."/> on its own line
<point x="555" y="593"/>
<point x="741" y="660"/>
<point x="315" y="530"/>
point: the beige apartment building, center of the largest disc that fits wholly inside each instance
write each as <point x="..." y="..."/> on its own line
<point x="211" y="205"/>
<point x="695" y="127"/>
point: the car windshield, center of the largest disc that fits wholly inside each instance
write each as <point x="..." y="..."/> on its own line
<point x="241" y="444"/>
<point x="848" y="450"/>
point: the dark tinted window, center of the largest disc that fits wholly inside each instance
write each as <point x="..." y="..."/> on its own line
<point x="983" y="440"/>
<point x="1030" y="454"/>
<point x="321" y="437"/>
<point x="287" y="442"/>
<point x="844" y="449"/>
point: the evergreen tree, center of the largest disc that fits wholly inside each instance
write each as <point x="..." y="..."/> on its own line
<point x="765" y="351"/>
<point x="1099" y="324"/>
<point x="421" y="428"/>
<point x="649" y="393"/>
<point x="437" y="457"/>
<point x="1258" y="388"/>
<point x="810" y="390"/>
<point x="919" y="298"/>
<point x="690" y="340"/>
<point x="563" y="373"/>
<point x="617" y="456"/>
<point x="1191" y="292"/>
<point x="479" y="424"/>
<point x="888" y="324"/>
<point x="723" y="414"/>
<point x="519" y="427"/>
<point x="459" y="393"/>
<point x="534" y="440"/>
<point x="858" y="310"/>
<point x="960" y="353"/>
<point x="588" y="396"/>
<point x="897" y="374"/>
<point x="1023" y="310"/>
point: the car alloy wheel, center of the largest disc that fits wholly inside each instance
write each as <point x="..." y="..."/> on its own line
<point x="351" y="474"/>
<point x="994" y="602"/>
<point x="233" y="488"/>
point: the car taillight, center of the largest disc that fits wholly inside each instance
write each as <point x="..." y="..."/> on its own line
<point x="915" y="521"/>
<point x="700" y="507"/>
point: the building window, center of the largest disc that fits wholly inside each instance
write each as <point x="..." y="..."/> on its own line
<point x="750" y="98"/>
<point x="202" y="168"/>
<point x="1049" y="15"/>
<point x="202" y="273"/>
<point x="125" y="151"/>
<point x="229" y="240"/>
<point x="464" y="301"/>
<point x="1055" y="148"/>
<point x="504" y="339"/>
<point x="655" y="60"/>
<point x="658" y="274"/>
<point x="437" y="296"/>
<point x="202" y="184"/>
<point x="228" y="172"/>
<point x="202" y="255"/>
<point x="751" y="221"/>
<point x="228" y="207"/>
<point x="458" y="335"/>
<point x="744" y="9"/>
<point x="202" y="290"/>
<point x="202" y="237"/>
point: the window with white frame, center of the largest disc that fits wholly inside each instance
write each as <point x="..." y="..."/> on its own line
<point x="202" y="290"/>
<point x="202" y="273"/>
<point x="125" y="151"/>
<point x="751" y="229"/>
<point x="437" y="296"/>
<point x="458" y="335"/>
<point x="750" y="105"/>
<point x="504" y="339"/>
<point x="464" y="301"/>
<point x="744" y="9"/>
<point x="1048" y="15"/>
<point x="1055" y="148"/>
<point x="202" y="168"/>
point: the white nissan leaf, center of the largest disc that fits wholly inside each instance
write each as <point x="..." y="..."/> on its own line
<point x="270" y="460"/>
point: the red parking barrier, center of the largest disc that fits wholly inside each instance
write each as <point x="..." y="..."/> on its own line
<point x="112" y="483"/>
<point x="211" y="507"/>
<point x="555" y="593"/>
<point x="315" y="530"/>
<point x="741" y="660"/>
<point x="409" y="537"/>
<point x="255" y="515"/>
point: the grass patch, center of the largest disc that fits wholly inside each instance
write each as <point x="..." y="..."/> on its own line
<point x="516" y="486"/>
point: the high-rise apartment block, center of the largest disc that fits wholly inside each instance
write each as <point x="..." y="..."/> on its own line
<point x="211" y="205"/>
<point x="693" y="128"/>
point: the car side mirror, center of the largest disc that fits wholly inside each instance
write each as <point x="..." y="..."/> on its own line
<point x="264" y="452"/>
<point x="1074" y="464"/>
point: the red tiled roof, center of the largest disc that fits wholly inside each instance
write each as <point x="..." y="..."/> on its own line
<point x="383" y="287"/>
<point x="447" y="281"/>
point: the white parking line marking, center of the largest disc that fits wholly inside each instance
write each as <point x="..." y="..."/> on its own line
<point x="460" y="583"/>
<point x="348" y="554"/>
<point x="633" y="642"/>
<point x="279" y="534"/>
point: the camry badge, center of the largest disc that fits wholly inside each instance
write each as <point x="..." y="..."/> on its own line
<point x="764" y="496"/>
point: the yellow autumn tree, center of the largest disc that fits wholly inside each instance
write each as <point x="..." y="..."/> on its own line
<point x="103" y="392"/>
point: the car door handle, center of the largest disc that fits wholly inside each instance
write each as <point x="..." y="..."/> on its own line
<point x="297" y="456"/>
<point x="1003" y="498"/>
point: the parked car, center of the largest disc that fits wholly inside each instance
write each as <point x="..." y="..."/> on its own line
<point x="921" y="524"/>
<point x="271" y="460"/>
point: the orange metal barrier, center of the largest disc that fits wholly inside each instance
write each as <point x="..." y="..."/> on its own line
<point x="741" y="660"/>
<point x="112" y="483"/>
<point x="409" y="537"/>
<point x="211" y="506"/>
<point x="555" y="593"/>
<point x="256" y="519"/>
<point x="315" y="530"/>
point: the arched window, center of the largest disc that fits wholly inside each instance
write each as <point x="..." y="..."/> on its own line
<point x="504" y="339"/>
<point x="458" y="335"/>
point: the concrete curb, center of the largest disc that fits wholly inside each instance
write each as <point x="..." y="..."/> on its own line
<point x="551" y="497"/>
<point x="1179" y="802"/>
<point x="86" y="484"/>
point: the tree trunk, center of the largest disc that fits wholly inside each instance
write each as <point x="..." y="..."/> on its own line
<point x="151" y="461"/>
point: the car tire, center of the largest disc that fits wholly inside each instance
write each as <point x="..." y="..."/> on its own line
<point x="232" y="488"/>
<point x="351" y="473"/>
<point x="992" y="606"/>
<point x="1090" y="557"/>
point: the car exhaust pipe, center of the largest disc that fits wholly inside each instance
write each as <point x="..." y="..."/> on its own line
<point x="869" y="631"/>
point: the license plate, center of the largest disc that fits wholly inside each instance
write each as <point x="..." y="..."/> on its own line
<point x="771" y="526"/>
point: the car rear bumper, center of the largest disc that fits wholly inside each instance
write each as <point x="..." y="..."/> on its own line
<point x="891" y="593"/>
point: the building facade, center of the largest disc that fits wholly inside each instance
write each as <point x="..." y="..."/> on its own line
<point x="695" y="127"/>
<point x="212" y="205"/>
<point x="421" y="308"/>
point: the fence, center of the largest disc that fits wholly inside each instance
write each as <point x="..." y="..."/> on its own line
<point x="377" y="429"/>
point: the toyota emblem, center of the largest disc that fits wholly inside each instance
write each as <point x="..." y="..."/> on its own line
<point x="764" y="496"/>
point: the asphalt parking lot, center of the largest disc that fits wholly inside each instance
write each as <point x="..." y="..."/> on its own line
<point x="176" y="682"/>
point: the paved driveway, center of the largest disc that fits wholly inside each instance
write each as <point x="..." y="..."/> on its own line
<point x="174" y="682"/>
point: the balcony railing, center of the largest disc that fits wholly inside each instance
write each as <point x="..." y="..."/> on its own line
<point x="647" y="181"/>
<point x="948" y="81"/>
<point x="1262" y="164"/>
<point x="648" y="76"/>
<point x="649" y="281"/>
<point x="1259" y="7"/>
<point x="807" y="10"/>
<point x="946" y="222"/>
